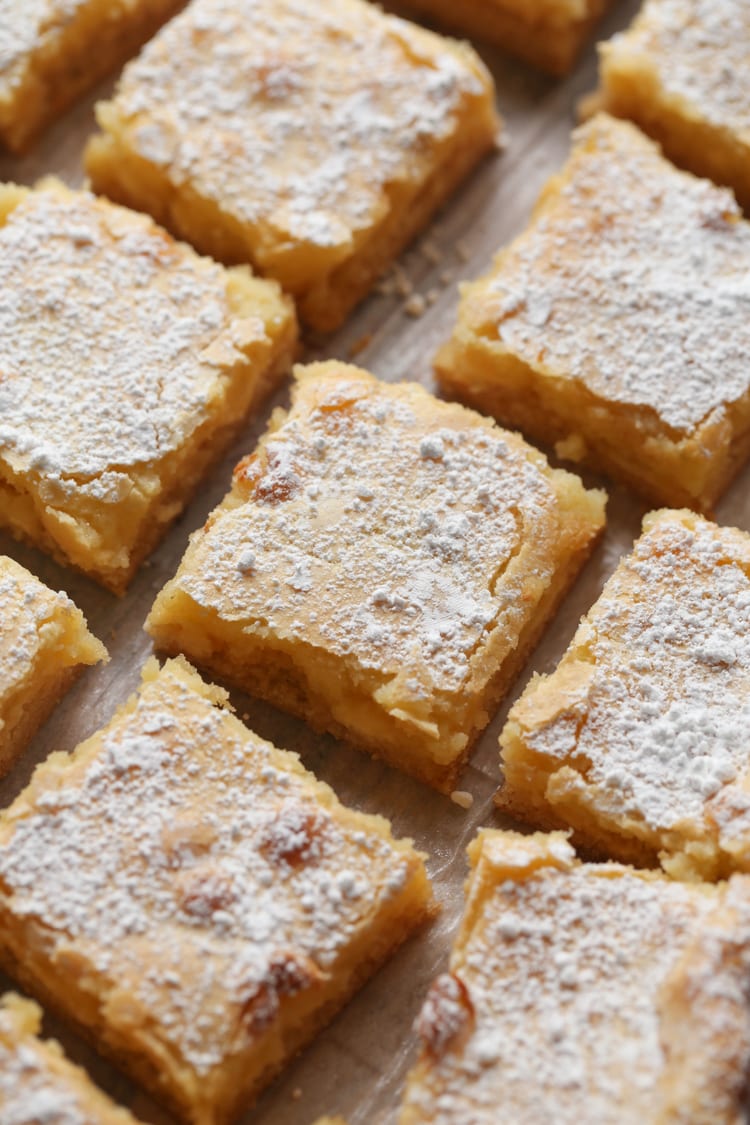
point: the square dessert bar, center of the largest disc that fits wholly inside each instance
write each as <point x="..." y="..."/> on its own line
<point x="549" y="34"/>
<point x="51" y="51"/>
<point x="639" y="738"/>
<point x="193" y="900"/>
<point x="586" y="993"/>
<point x="38" y="1085"/>
<point x="617" y="324"/>
<point x="382" y="566"/>
<point x="311" y="140"/>
<point x="126" y="365"/>
<point x="680" y="72"/>
<point x="44" y="644"/>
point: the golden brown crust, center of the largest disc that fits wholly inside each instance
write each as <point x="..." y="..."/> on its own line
<point x="586" y="992"/>
<point x="443" y="546"/>
<point x="129" y="364"/>
<point x="549" y="34"/>
<point x="199" y="950"/>
<point x="611" y="328"/>
<point x="37" y="1083"/>
<point x="52" y="51"/>
<point x="198" y="135"/>
<point x="637" y="739"/>
<point x="680" y="73"/>
<point x="44" y="645"/>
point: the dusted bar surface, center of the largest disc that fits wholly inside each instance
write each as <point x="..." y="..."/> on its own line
<point x="312" y="140"/>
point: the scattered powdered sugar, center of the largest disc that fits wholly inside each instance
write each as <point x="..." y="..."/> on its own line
<point x="190" y="868"/>
<point x="108" y="331"/>
<point x="381" y="524"/>
<point x="634" y="279"/>
<point x="26" y="606"/>
<point x="37" y="1087"/>
<point x="561" y="975"/>
<point x="660" y="726"/>
<point x="33" y="1094"/>
<point x="700" y="50"/>
<point x="22" y="29"/>
<point x="293" y="116"/>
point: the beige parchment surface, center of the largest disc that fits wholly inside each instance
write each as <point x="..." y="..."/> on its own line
<point x="357" y="1066"/>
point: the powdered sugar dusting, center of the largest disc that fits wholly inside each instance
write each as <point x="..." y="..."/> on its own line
<point x="107" y="328"/>
<point x="561" y="973"/>
<point x="293" y="117"/>
<point x="36" y="1086"/>
<point x="27" y="607"/>
<point x="634" y="278"/>
<point x="21" y="29"/>
<point x="659" y="726"/>
<point x="200" y="879"/>
<point x="381" y="524"/>
<point x="31" y="1093"/>
<point x="700" y="50"/>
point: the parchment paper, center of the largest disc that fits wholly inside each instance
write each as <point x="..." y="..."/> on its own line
<point x="357" y="1066"/>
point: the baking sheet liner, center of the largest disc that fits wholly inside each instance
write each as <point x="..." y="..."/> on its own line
<point x="358" y="1065"/>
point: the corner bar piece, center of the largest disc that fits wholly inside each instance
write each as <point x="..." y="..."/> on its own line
<point x="52" y="51"/>
<point x="44" y="644"/>
<point x="127" y="363"/>
<point x="639" y="739"/>
<point x="586" y="995"/>
<point x="549" y="34"/>
<point x="617" y="324"/>
<point x="193" y="900"/>
<point x="680" y="72"/>
<point x="38" y="1085"/>
<point x="382" y="567"/>
<point x="312" y="140"/>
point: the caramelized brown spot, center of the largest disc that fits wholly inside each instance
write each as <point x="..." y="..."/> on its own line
<point x="447" y="1016"/>
<point x="259" y="1010"/>
<point x="336" y="415"/>
<point x="267" y="476"/>
<point x="187" y="837"/>
<point x="199" y="34"/>
<point x="276" y="74"/>
<point x="341" y="396"/>
<point x="715" y="218"/>
<point x="205" y="889"/>
<point x="160" y="247"/>
<point x="248" y="472"/>
<point x="288" y="973"/>
<point x="294" y="836"/>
